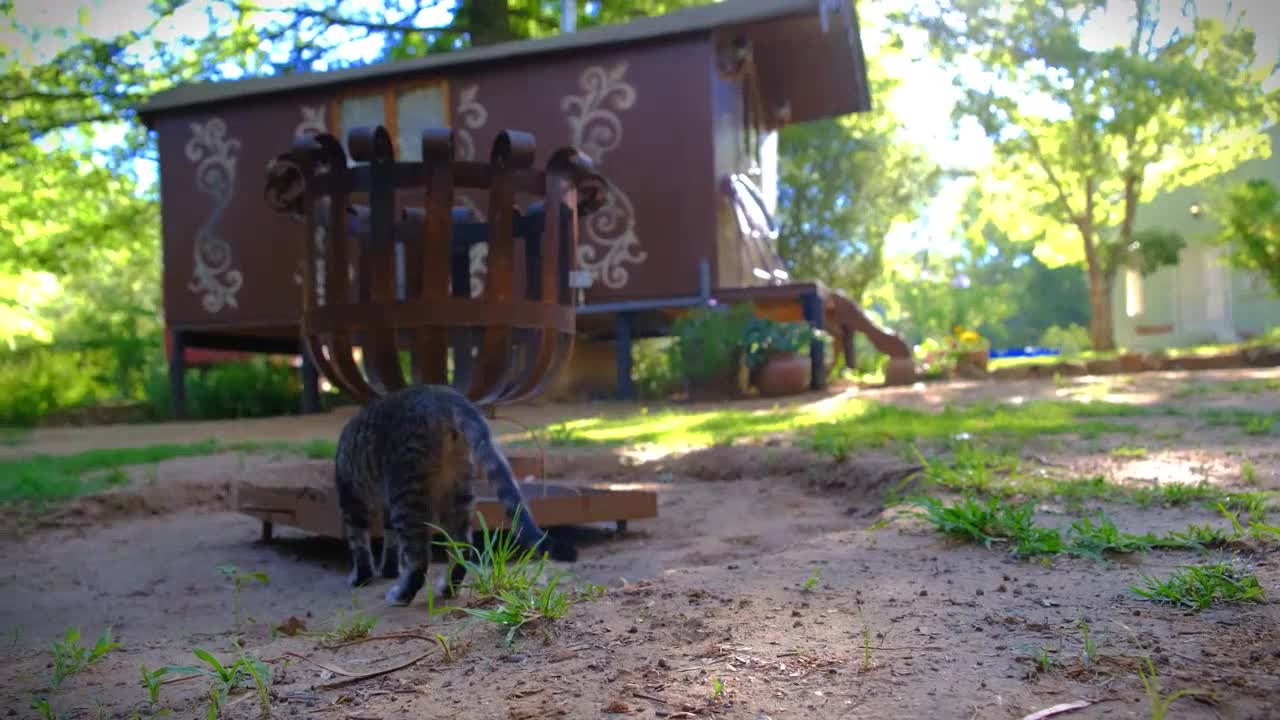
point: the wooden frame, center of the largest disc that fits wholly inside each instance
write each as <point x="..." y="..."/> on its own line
<point x="315" y="509"/>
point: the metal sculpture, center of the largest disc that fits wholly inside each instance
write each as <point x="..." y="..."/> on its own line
<point x="384" y="283"/>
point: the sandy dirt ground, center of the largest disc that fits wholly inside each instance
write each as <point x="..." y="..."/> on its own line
<point x="707" y="612"/>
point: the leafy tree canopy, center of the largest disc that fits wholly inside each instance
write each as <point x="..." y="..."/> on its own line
<point x="1083" y="135"/>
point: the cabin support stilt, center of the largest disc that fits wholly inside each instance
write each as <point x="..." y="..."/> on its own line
<point x="177" y="374"/>
<point x="310" y="385"/>
<point x="623" y="325"/>
<point x="811" y="306"/>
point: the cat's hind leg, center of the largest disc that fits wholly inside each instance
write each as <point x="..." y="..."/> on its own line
<point x="408" y="512"/>
<point x="353" y="499"/>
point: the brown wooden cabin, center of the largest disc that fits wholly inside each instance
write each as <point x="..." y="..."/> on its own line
<point x="680" y="112"/>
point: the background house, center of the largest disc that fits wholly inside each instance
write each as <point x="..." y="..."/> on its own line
<point x="1201" y="299"/>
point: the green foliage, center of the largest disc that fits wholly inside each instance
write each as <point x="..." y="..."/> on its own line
<point x="1252" y="228"/>
<point x="1083" y="136"/>
<point x="709" y="340"/>
<point x="1070" y="340"/>
<point x="351" y="625"/>
<point x="1196" y="587"/>
<point x="763" y="336"/>
<point x="257" y="387"/>
<point x="70" y="657"/>
<point x="653" y="368"/>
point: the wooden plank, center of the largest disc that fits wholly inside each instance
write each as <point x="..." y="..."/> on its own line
<point x="316" y="510"/>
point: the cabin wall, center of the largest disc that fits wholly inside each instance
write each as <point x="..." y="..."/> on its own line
<point x="229" y="261"/>
<point x="642" y="113"/>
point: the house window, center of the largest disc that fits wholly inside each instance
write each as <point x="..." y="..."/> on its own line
<point x="1134" y="301"/>
<point x="405" y="110"/>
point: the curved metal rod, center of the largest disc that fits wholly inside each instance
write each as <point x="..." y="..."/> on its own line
<point x="371" y="144"/>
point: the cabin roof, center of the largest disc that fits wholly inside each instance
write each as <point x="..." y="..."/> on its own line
<point x="695" y="19"/>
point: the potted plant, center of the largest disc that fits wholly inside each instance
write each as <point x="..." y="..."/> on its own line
<point x="708" y="351"/>
<point x="971" y="351"/>
<point x="776" y="355"/>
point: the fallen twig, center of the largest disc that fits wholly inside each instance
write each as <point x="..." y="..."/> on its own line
<point x="350" y="677"/>
<point x="1058" y="710"/>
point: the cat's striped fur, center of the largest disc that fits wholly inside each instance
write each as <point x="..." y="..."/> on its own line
<point x="419" y="451"/>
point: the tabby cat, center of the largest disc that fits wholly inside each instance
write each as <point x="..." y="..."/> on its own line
<point x="419" y="450"/>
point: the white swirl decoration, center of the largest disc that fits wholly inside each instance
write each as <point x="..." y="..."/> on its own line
<point x="215" y="158"/>
<point x="595" y="129"/>
<point x="471" y="115"/>
<point x="313" y="123"/>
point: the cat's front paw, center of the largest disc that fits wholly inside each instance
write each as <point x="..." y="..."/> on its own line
<point x="404" y="591"/>
<point x="400" y="594"/>
<point x="390" y="569"/>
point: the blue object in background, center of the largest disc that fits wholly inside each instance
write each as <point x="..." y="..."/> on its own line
<point x="1028" y="351"/>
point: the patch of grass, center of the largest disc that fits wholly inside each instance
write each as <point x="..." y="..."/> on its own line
<point x="1092" y="539"/>
<point x="1251" y="422"/>
<point x="1196" y="587"/>
<point x="1245" y="386"/>
<point x="1127" y="451"/>
<point x="510" y="579"/>
<point x="43" y="709"/>
<point x="70" y="657"/>
<point x="839" y="430"/>
<point x="53" y="478"/>
<point x="350" y="626"/>
<point x="991" y="522"/>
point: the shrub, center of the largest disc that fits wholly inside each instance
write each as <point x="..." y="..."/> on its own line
<point x="258" y="387"/>
<point x="709" y="340"/>
<point x="1070" y="340"/>
<point x="653" y="368"/>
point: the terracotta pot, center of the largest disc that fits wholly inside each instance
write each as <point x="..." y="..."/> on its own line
<point x="783" y="373"/>
<point x="972" y="364"/>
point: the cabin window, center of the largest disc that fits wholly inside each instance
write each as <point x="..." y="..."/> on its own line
<point x="405" y="110"/>
<point x="361" y="111"/>
<point x="1134" y="302"/>
<point x="417" y="109"/>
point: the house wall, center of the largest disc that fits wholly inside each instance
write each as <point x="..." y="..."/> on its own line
<point x="1201" y="299"/>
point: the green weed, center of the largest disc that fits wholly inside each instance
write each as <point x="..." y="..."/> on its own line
<point x="151" y="681"/>
<point x="1196" y="587"/>
<point x="1157" y="702"/>
<point x="1089" y="652"/>
<point x="1248" y="473"/>
<point x="238" y="581"/>
<point x="43" y="709"/>
<point x="717" y="688"/>
<point x="1126" y="451"/>
<point x="1258" y="425"/>
<point x="812" y="581"/>
<point x="70" y="657"/>
<point x="225" y="678"/>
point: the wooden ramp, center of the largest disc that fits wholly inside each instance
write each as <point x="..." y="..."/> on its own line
<point x="308" y="501"/>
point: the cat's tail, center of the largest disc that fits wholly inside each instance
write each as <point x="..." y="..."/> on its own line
<point x="497" y="470"/>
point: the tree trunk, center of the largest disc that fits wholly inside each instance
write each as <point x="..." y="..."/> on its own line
<point x="490" y="22"/>
<point x="1101" y="328"/>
